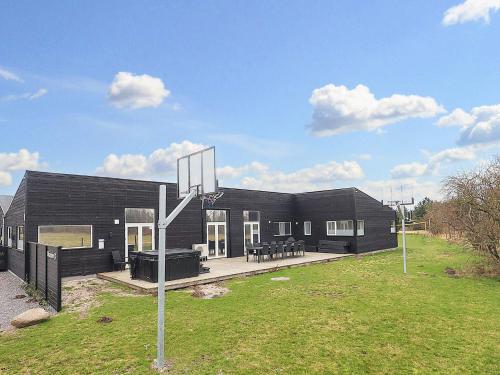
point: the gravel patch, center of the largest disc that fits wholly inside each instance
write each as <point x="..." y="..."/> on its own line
<point x="12" y="302"/>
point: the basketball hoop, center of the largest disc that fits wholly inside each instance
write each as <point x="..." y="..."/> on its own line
<point x="208" y="200"/>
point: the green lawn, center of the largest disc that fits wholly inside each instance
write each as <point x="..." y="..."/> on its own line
<point x="354" y="316"/>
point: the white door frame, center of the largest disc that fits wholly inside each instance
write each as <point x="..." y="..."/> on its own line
<point x="216" y="224"/>
<point x="251" y="223"/>
<point x="139" y="227"/>
<point x="9" y="236"/>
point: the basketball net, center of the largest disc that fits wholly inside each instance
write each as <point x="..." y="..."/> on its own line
<point x="208" y="200"/>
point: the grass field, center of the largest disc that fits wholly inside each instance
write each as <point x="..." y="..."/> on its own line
<point x="354" y="316"/>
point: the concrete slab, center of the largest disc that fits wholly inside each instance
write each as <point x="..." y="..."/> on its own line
<point x="222" y="269"/>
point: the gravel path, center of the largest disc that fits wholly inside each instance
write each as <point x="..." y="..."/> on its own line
<point x="10" y="306"/>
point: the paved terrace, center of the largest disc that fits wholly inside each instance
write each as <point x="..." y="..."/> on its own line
<point x="223" y="269"/>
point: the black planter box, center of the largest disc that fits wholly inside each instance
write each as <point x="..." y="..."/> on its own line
<point x="3" y="259"/>
<point x="179" y="264"/>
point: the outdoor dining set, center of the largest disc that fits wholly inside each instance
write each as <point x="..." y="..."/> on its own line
<point x="276" y="249"/>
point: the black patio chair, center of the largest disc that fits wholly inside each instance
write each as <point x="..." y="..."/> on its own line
<point x="302" y="247"/>
<point x="281" y="248"/>
<point x="289" y="248"/>
<point x="118" y="260"/>
<point x="265" y="251"/>
<point x="296" y="248"/>
<point x="278" y="250"/>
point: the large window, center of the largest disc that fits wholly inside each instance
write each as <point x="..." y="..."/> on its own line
<point x="340" y="228"/>
<point x="393" y="226"/>
<point x="216" y="216"/>
<point x="251" y="216"/>
<point x="139" y="215"/>
<point x="307" y="228"/>
<point x="20" y="237"/>
<point x="67" y="236"/>
<point x="282" y="228"/>
<point x="360" y="230"/>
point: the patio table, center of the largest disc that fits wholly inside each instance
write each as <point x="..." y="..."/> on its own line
<point x="255" y="248"/>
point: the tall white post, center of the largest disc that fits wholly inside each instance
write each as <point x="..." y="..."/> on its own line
<point x="162" y="229"/>
<point x="401" y="209"/>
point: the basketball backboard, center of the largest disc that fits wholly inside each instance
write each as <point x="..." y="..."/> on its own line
<point x="197" y="172"/>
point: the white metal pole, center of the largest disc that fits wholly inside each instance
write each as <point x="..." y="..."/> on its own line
<point x="162" y="229"/>
<point x="401" y="209"/>
<point x="163" y="223"/>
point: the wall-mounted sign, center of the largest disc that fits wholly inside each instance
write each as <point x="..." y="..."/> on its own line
<point x="101" y="244"/>
<point x="52" y="255"/>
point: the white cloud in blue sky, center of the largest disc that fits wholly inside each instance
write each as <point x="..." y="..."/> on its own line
<point x="471" y="10"/>
<point x="136" y="91"/>
<point x="338" y="109"/>
<point x="9" y="76"/>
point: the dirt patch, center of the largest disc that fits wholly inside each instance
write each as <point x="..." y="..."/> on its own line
<point x="81" y="295"/>
<point x="19" y="296"/>
<point x="451" y="272"/>
<point x="104" y="320"/>
<point x="209" y="291"/>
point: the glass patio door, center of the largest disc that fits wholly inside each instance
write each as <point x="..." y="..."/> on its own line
<point x="251" y="234"/>
<point x="140" y="237"/>
<point x="216" y="240"/>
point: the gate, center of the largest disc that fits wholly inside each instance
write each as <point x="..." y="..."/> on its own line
<point x="44" y="272"/>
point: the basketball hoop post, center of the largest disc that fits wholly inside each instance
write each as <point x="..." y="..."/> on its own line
<point x="163" y="223"/>
<point x="400" y="207"/>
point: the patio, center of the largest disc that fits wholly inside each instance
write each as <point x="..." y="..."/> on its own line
<point x="222" y="269"/>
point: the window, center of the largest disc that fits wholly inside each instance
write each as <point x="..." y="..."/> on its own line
<point x="20" y="237"/>
<point x="67" y="236"/>
<point x="139" y="215"/>
<point x="360" y="230"/>
<point x="216" y="216"/>
<point x="251" y="216"/>
<point x="282" y="228"/>
<point x="307" y="228"/>
<point x="393" y="226"/>
<point x="340" y="228"/>
<point x="331" y="228"/>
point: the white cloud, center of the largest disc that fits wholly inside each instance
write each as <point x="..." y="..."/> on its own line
<point x="23" y="159"/>
<point x="401" y="189"/>
<point x="480" y="126"/>
<point x="5" y="178"/>
<point x="160" y="163"/>
<point x="337" y="109"/>
<point x="470" y="10"/>
<point x="17" y="161"/>
<point x="26" y="96"/>
<point x="229" y="172"/>
<point x="365" y="156"/>
<point x="434" y="162"/>
<point x="9" y="76"/>
<point x="320" y="176"/>
<point x="456" y="118"/>
<point x="409" y="170"/>
<point x="136" y="91"/>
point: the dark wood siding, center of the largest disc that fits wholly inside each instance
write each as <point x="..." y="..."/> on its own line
<point x="320" y="207"/>
<point x="272" y="207"/>
<point x="377" y="219"/>
<point x="59" y="199"/>
<point x="13" y="218"/>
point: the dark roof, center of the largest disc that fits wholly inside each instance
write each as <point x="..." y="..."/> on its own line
<point x="5" y="201"/>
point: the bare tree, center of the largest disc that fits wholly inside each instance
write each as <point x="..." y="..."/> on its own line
<point x="474" y="207"/>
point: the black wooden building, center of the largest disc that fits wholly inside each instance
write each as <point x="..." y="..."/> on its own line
<point x="91" y="216"/>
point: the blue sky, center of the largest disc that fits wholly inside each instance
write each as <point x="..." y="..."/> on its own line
<point x="295" y="95"/>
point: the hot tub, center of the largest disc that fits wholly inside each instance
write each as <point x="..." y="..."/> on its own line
<point x="179" y="264"/>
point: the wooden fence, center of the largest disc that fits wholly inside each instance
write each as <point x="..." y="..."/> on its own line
<point x="44" y="272"/>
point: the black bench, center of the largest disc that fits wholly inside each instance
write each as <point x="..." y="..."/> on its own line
<point x="336" y="247"/>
